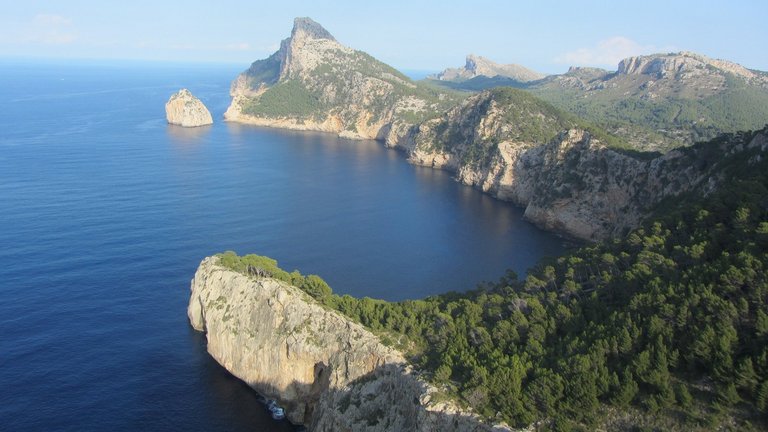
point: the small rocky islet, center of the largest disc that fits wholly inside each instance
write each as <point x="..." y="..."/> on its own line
<point x="184" y="109"/>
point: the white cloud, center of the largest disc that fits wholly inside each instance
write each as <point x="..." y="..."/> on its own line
<point x="241" y="46"/>
<point x="51" y="20"/>
<point x="608" y="52"/>
<point x="49" y="29"/>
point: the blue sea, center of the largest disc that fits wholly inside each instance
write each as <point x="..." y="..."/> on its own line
<point x="106" y="211"/>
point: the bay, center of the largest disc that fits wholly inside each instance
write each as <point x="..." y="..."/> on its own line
<point x="105" y="212"/>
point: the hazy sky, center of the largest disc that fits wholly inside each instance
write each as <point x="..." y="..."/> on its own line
<point x="429" y="35"/>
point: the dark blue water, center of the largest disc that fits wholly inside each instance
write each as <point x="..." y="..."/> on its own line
<point x="105" y="212"/>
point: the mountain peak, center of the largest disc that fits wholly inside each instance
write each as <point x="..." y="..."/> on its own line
<point x="310" y="28"/>
<point x="480" y="66"/>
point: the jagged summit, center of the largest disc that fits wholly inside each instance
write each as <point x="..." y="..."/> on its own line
<point x="478" y="66"/>
<point x="310" y="28"/>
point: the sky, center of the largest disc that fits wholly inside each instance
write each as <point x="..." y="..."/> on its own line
<point x="547" y="36"/>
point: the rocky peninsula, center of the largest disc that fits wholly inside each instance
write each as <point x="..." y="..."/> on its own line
<point x="184" y="109"/>
<point x="329" y="373"/>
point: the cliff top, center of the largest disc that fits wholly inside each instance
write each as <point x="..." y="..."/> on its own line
<point x="310" y="28"/>
<point x="688" y="62"/>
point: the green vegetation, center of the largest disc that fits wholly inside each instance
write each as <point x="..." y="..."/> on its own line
<point x="478" y="83"/>
<point x="287" y="99"/>
<point x="677" y="113"/>
<point x="524" y="118"/>
<point x="337" y="84"/>
<point x="670" y="322"/>
<point x="263" y="266"/>
<point x="266" y="71"/>
<point x="668" y="118"/>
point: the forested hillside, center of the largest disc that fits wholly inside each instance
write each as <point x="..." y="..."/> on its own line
<point x="666" y="328"/>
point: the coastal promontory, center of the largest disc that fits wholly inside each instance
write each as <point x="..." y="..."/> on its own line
<point x="329" y="372"/>
<point x="184" y="109"/>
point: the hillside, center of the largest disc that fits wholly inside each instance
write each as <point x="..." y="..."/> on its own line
<point x="315" y="83"/>
<point x="569" y="176"/>
<point x="655" y="102"/>
<point x="660" y="100"/>
<point x="663" y="329"/>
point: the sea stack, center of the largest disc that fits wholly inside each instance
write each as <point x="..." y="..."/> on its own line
<point x="185" y="110"/>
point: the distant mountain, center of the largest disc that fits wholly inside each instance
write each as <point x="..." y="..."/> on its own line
<point x="477" y="66"/>
<point x="661" y="100"/>
<point x="654" y="102"/>
<point x="315" y="83"/>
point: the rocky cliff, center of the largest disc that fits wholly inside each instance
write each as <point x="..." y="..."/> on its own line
<point x="315" y="83"/>
<point x="185" y="110"/>
<point x="509" y="144"/>
<point x="477" y="66"/>
<point x="329" y="373"/>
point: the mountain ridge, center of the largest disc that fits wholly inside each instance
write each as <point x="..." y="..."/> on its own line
<point x="480" y="66"/>
<point x="654" y="102"/>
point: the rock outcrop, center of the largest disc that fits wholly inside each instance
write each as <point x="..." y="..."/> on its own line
<point x="315" y="83"/>
<point x="477" y="66"/>
<point x="329" y="373"/>
<point x="185" y="110"/>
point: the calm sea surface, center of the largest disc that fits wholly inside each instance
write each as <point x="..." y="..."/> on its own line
<point x="106" y="211"/>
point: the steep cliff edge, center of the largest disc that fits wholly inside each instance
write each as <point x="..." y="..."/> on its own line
<point x="508" y="144"/>
<point x="186" y="110"/>
<point x="328" y="372"/>
<point x="315" y="83"/>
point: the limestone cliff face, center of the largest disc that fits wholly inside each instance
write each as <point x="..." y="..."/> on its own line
<point x="477" y="66"/>
<point x="572" y="184"/>
<point x="315" y="83"/>
<point x="329" y="373"/>
<point x="662" y="101"/>
<point x="185" y="110"/>
<point x="685" y="64"/>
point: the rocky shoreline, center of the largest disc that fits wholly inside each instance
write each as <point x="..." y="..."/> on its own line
<point x="328" y="372"/>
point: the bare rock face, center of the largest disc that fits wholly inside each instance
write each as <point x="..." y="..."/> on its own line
<point x="572" y="183"/>
<point x="329" y="373"/>
<point x="185" y="110"/>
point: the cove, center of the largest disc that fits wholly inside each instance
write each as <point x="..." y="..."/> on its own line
<point x="107" y="211"/>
